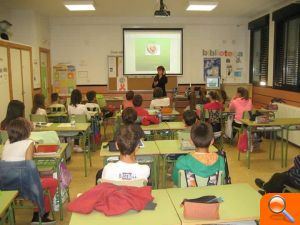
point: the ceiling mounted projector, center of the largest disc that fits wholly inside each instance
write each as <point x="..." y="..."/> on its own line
<point x="162" y="12"/>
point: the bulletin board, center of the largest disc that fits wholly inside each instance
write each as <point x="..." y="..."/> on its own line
<point x="64" y="79"/>
<point x="115" y="70"/>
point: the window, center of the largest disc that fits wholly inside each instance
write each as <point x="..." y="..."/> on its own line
<point x="287" y="52"/>
<point x="259" y="50"/>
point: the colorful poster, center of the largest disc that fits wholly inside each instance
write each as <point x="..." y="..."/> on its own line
<point x="212" y="67"/>
<point x="64" y="79"/>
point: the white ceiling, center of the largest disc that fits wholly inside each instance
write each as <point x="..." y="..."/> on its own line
<point x="137" y="8"/>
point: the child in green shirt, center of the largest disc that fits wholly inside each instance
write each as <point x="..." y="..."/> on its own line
<point x="201" y="162"/>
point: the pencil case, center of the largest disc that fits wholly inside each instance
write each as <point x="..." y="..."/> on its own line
<point x="205" y="207"/>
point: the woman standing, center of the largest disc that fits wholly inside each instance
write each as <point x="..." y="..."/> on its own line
<point x="160" y="80"/>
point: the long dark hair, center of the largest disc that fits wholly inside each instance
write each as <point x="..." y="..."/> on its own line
<point x="15" y="109"/>
<point x="76" y="97"/>
<point x="38" y="102"/>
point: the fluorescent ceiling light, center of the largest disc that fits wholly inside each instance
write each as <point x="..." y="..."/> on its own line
<point x="76" y="5"/>
<point x="201" y="6"/>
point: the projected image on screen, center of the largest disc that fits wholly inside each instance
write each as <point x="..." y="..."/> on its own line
<point x="144" y="50"/>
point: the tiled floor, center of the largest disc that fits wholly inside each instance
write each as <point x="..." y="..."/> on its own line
<point x="260" y="167"/>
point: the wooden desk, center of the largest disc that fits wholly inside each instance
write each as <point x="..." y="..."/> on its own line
<point x="164" y="214"/>
<point x="283" y="123"/>
<point x="241" y="202"/>
<point x="156" y="127"/>
<point x="66" y="130"/>
<point x="6" y="210"/>
<point x="172" y="147"/>
<point x="150" y="149"/>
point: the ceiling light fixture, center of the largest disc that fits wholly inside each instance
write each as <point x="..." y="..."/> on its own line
<point x="201" y="6"/>
<point x="77" y="5"/>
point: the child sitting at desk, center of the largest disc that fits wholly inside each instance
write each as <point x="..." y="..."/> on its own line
<point x="159" y="100"/>
<point x="76" y="108"/>
<point x="128" y="102"/>
<point x="39" y="107"/>
<point x="214" y="108"/>
<point x="18" y="147"/>
<point x="201" y="162"/>
<point x="129" y="117"/>
<point x="56" y="104"/>
<point x="92" y="105"/>
<point x="189" y="118"/>
<point x="137" y="102"/>
<point x="127" y="141"/>
<point x="15" y="109"/>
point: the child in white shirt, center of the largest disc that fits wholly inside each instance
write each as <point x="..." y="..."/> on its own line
<point x="55" y="103"/>
<point x="91" y="105"/>
<point x="158" y="100"/>
<point x="126" y="168"/>
<point x="39" y="105"/>
<point x="76" y="108"/>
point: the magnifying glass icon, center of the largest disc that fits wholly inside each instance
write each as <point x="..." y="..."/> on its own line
<point x="277" y="205"/>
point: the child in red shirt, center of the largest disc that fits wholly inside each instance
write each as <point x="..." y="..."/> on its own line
<point x="214" y="103"/>
<point x="137" y="103"/>
<point x="128" y="102"/>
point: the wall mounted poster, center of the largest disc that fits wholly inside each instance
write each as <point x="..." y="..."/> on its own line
<point x="64" y="79"/>
<point x="212" y="67"/>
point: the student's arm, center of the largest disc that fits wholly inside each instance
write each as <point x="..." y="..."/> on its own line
<point x="231" y="106"/>
<point x="29" y="152"/>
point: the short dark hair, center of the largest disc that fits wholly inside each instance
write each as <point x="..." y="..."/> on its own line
<point x="38" y="102"/>
<point x="243" y="92"/>
<point x="76" y="97"/>
<point x="18" y="129"/>
<point x="214" y="95"/>
<point x="202" y="135"/>
<point x="91" y="95"/>
<point x="129" y="116"/>
<point x="137" y="100"/>
<point x="158" y="92"/>
<point x="15" y="109"/>
<point x="189" y="117"/>
<point x="129" y="95"/>
<point x="54" y="97"/>
<point x="127" y="140"/>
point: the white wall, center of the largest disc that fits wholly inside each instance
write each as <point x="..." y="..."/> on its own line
<point x="87" y="41"/>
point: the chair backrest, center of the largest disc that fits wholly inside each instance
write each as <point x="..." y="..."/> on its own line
<point x="214" y="116"/>
<point x="80" y="118"/>
<point x="189" y="179"/>
<point x="3" y="136"/>
<point x="45" y="137"/>
<point x="132" y="183"/>
<point x="101" y="100"/>
<point x="92" y="109"/>
<point x="57" y="109"/>
<point x="38" y="118"/>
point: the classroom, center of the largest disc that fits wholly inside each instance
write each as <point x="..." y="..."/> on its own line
<point x="159" y="112"/>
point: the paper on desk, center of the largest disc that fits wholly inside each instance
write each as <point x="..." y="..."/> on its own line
<point x="64" y="125"/>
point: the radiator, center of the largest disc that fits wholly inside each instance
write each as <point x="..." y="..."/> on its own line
<point x="289" y="111"/>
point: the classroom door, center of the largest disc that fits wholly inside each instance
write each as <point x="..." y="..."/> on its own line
<point x="16" y="74"/>
<point x="45" y="73"/>
<point x="4" y="82"/>
<point x="27" y="81"/>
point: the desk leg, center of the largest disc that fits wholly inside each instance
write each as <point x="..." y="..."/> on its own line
<point x="154" y="173"/>
<point x="89" y="148"/>
<point x="164" y="175"/>
<point x="57" y="161"/>
<point x="286" y="147"/>
<point x="282" y="147"/>
<point x="11" y="219"/>
<point x="84" y="155"/>
<point x="249" y="145"/>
